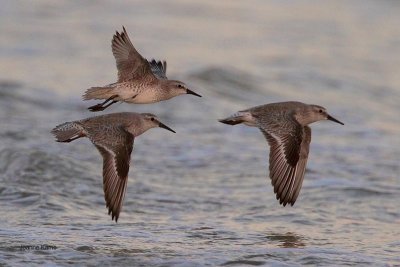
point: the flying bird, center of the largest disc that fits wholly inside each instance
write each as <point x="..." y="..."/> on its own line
<point x="113" y="135"/>
<point x="285" y="127"/>
<point x="139" y="81"/>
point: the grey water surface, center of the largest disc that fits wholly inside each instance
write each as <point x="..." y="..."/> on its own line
<point x="201" y="197"/>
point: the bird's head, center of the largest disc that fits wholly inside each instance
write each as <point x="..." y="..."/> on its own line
<point x="178" y="88"/>
<point x="318" y="113"/>
<point x="152" y="121"/>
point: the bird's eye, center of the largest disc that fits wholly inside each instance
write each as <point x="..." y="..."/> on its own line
<point x="180" y="86"/>
<point x="152" y="119"/>
<point x="320" y="111"/>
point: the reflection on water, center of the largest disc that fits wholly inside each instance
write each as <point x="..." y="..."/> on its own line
<point x="202" y="196"/>
<point x="287" y="240"/>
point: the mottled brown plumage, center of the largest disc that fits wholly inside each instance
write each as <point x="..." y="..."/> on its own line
<point x="113" y="135"/>
<point x="284" y="125"/>
<point x="139" y="81"/>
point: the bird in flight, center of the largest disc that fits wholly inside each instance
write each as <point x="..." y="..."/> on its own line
<point x="139" y="81"/>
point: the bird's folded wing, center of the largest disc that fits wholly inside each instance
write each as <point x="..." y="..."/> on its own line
<point x="115" y="145"/>
<point x="130" y="64"/>
<point x="159" y="69"/>
<point x="287" y="160"/>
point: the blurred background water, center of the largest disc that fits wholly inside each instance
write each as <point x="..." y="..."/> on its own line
<point x="202" y="196"/>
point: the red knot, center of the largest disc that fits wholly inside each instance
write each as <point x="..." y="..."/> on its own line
<point x="139" y="81"/>
<point x="113" y="135"/>
<point x="285" y="126"/>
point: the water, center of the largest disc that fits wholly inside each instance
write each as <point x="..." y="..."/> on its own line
<point x="202" y="196"/>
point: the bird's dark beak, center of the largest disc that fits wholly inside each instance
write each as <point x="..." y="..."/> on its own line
<point x="329" y="117"/>
<point x="190" y="92"/>
<point x="162" y="125"/>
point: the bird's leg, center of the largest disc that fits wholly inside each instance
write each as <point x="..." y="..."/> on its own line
<point x="100" y="106"/>
<point x="113" y="102"/>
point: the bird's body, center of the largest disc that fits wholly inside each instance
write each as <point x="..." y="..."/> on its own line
<point x="139" y="81"/>
<point x="113" y="135"/>
<point x="285" y="126"/>
<point x="136" y="93"/>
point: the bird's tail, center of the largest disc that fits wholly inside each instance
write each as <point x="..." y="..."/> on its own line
<point x="238" y="117"/>
<point x="68" y="132"/>
<point x="98" y="93"/>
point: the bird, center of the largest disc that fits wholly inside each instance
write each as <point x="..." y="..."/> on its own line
<point x="113" y="135"/>
<point x="285" y="127"/>
<point x="139" y="81"/>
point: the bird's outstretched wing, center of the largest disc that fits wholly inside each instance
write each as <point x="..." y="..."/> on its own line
<point x="130" y="64"/>
<point x="115" y="145"/>
<point x="159" y="69"/>
<point x="287" y="159"/>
